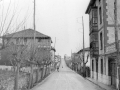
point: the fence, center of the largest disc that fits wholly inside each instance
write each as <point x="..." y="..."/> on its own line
<point x="24" y="78"/>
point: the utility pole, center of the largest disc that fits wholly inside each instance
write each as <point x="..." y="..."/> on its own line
<point x="34" y="23"/>
<point x="117" y="41"/>
<point x="33" y="50"/>
<point x="83" y="49"/>
<point x="55" y="42"/>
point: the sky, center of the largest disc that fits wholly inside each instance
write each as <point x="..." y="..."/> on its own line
<point x="60" y="19"/>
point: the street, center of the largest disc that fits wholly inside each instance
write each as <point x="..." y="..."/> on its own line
<point x="65" y="79"/>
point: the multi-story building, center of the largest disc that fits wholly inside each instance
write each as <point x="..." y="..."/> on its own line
<point x="102" y="41"/>
<point x="41" y="44"/>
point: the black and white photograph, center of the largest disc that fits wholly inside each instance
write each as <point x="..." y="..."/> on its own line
<point x="59" y="44"/>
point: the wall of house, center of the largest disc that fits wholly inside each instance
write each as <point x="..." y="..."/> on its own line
<point x="110" y="30"/>
<point x="100" y="4"/>
<point x="44" y="45"/>
<point x="41" y="42"/>
<point x="104" y="77"/>
<point x="101" y="51"/>
<point x="102" y="66"/>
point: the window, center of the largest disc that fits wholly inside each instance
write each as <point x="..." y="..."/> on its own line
<point x="101" y="41"/>
<point x="101" y="66"/>
<point x="100" y="15"/>
<point x="39" y="39"/>
<point x="25" y="40"/>
<point x="17" y="41"/>
<point x="92" y="65"/>
<point x="97" y="65"/>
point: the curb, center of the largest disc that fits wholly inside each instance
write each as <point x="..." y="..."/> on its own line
<point x="96" y="84"/>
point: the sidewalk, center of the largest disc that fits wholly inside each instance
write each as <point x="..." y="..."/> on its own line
<point x="101" y="85"/>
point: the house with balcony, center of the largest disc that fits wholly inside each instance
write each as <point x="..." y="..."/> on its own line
<point x="24" y="40"/>
<point x="102" y="41"/>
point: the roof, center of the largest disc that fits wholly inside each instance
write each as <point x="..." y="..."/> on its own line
<point x="86" y="49"/>
<point x="52" y="48"/>
<point x="89" y="6"/>
<point x="29" y="33"/>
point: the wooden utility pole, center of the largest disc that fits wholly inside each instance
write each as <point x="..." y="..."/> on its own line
<point x="55" y="42"/>
<point x="83" y="49"/>
<point x="117" y="41"/>
<point x="34" y="22"/>
<point x="33" y="48"/>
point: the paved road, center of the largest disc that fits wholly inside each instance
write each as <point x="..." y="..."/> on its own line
<point x="65" y="79"/>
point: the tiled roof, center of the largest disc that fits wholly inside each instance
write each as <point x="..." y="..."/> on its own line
<point x="89" y="6"/>
<point x="29" y="33"/>
<point x="52" y="48"/>
<point x="86" y="49"/>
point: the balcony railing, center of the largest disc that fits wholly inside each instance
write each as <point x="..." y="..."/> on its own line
<point x="94" y="52"/>
<point x="94" y="49"/>
<point x="94" y="37"/>
<point x="93" y="25"/>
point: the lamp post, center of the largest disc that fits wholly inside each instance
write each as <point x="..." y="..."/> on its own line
<point x="33" y="48"/>
<point x="117" y="42"/>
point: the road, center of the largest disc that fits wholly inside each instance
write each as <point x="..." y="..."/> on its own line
<point x="65" y="79"/>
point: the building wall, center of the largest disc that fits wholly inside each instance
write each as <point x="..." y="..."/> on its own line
<point x="110" y="30"/>
<point x="103" y="78"/>
<point x="44" y="47"/>
<point x="100" y="4"/>
<point x="29" y="42"/>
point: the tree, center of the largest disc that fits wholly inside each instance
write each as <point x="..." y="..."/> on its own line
<point x="9" y="20"/>
<point x="17" y="55"/>
<point x="86" y="57"/>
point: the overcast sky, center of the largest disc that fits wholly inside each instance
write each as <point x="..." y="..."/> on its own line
<point x="55" y="18"/>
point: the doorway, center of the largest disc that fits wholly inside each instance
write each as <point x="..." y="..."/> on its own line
<point x="97" y="68"/>
<point x="112" y="71"/>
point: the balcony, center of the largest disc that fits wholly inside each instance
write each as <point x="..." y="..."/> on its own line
<point x="94" y="53"/>
<point x="93" y="20"/>
<point x="94" y="37"/>
<point x="93" y="25"/>
<point x="94" y="50"/>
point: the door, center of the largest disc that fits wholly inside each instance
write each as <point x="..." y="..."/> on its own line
<point x="113" y="72"/>
<point x="92" y="68"/>
<point x="97" y="69"/>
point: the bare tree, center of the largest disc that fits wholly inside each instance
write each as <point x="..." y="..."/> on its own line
<point x="17" y="55"/>
<point x="87" y="55"/>
<point x="9" y="17"/>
